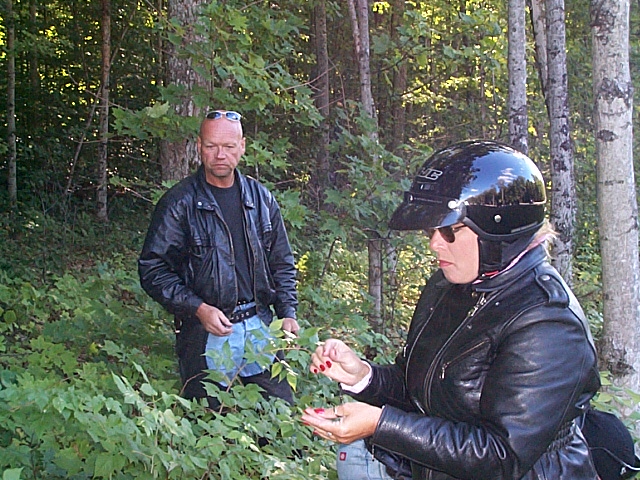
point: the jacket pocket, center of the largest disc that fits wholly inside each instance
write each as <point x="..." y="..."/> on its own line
<point x="202" y="259"/>
<point x="471" y="363"/>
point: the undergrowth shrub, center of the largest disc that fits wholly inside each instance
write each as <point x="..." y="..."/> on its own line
<point x="89" y="386"/>
<point x="89" y="389"/>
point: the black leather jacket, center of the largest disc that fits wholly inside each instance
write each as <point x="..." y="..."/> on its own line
<point x="188" y="258"/>
<point x="494" y="399"/>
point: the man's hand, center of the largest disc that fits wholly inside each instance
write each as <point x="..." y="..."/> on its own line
<point x="213" y="320"/>
<point x="290" y="325"/>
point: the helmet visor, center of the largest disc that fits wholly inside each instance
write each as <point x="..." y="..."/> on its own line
<point x="421" y="213"/>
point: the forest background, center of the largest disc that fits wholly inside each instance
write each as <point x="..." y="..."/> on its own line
<point x="88" y="379"/>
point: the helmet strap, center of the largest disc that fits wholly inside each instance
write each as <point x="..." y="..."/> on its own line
<point x="495" y="256"/>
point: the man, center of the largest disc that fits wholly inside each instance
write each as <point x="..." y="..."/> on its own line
<point x="217" y="256"/>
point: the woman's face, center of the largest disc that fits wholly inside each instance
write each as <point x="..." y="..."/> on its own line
<point x="460" y="259"/>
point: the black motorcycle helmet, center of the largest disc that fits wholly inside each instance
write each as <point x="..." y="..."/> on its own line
<point x="493" y="189"/>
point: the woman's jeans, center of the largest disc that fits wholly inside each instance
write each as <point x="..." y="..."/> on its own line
<point x="355" y="462"/>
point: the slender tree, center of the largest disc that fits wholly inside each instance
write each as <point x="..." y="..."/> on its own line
<point x="11" y="104"/>
<point x="322" y="100"/>
<point x="563" y="188"/>
<point x="33" y="120"/>
<point x="539" y="27"/>
<point x="517" y="65"/>
<point x="398" y="108"/>
<point x="103" y="129"/>
<point x="617" y="203"/>
<point x="359" y="14"/>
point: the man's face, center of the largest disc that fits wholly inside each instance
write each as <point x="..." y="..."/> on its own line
<point x="220" y="145"/>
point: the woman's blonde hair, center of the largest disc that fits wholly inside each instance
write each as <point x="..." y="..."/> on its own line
<point x="544" y="236"/>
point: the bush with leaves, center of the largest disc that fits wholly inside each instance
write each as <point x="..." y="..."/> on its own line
<point x="79" y="407"/>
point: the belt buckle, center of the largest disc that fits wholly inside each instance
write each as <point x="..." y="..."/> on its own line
<point x="242" y="315"/>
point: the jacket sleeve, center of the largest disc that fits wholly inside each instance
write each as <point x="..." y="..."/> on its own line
<point x="162" y="260"/>
<point x="543" y="373"/>
<point x="282" y="266"/>
<point x="387" y="387"/>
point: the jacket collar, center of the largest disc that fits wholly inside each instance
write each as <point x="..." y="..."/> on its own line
<point x="205" y="195"/>
<point x="530" y="260"/>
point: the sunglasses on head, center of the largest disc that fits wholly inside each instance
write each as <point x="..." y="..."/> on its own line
<point x="447" y="233"/>
<point x="229" y="115"/>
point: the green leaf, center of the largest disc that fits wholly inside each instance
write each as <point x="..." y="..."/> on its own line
<point x="148" y="390"/>
<point x="276" y="369"/>
<point x="12" y="474"/>
<point x="10" y="316"/>
<point x="106" y="465"/>
<point x="158" y="110"/>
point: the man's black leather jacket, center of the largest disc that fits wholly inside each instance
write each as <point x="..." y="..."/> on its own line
<point x="188" y="259"/>
<point x="496" y="399"/>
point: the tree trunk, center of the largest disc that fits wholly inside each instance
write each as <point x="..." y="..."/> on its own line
<point x="539" y="27"/>
<point x="103" y="146"/>
<point x="398" y="112"/>
<point x="517" y="65"/>
<point x="374" y="249"/>
<point x="176" y="158"/>
<point x="359" y="12"/>
<point x="617" y="203"/>
<point x="12" y="183"/>
<point x="321" y="84"/>
<point x="33" y="120"/>
<point x="563" y="189"/>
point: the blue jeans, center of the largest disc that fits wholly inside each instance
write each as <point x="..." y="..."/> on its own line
<point x="251" y="333"/>
<point x="356" y="463"/>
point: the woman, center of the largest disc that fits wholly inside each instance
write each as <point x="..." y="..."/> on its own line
<point x="499" y="360"/>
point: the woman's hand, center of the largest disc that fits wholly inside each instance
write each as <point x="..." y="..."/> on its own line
<point x="344" y="423"/>
<point x="338" y="362"/>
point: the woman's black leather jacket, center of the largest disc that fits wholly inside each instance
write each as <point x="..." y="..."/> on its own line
<point x="496" y="398"/>
<point x="188" y="258"/>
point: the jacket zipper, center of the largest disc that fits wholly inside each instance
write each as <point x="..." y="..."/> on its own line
<point x="233" y="252"/>
<point x="446" y="365"/>
<point x="482" y="301"/>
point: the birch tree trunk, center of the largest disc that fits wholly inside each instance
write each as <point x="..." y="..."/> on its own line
<point x="539" y="27"/>
<point x="563" y="189"/>
<point x="12" y="182"/>
<point x="103" y="147"/>
<point x="176" y="158"/>
<point x="359" y="13"/>
<point x="617" y="204"/>
<point x="517" y="65"/>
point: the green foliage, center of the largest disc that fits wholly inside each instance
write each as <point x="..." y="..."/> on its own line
<point x="73" y="406"/>
<point x="156" y="121"/>
<point x="88" y="380"/>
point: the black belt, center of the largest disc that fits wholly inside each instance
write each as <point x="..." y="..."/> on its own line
<point x="242" y="315"/>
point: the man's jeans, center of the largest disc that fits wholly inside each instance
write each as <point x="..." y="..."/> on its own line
<point x="252" y="331"/>
<point x="356" y="463"/>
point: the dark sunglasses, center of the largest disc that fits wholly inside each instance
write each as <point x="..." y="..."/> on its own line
<point x="233" y="116"/>
<point x="447" y="233"/>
